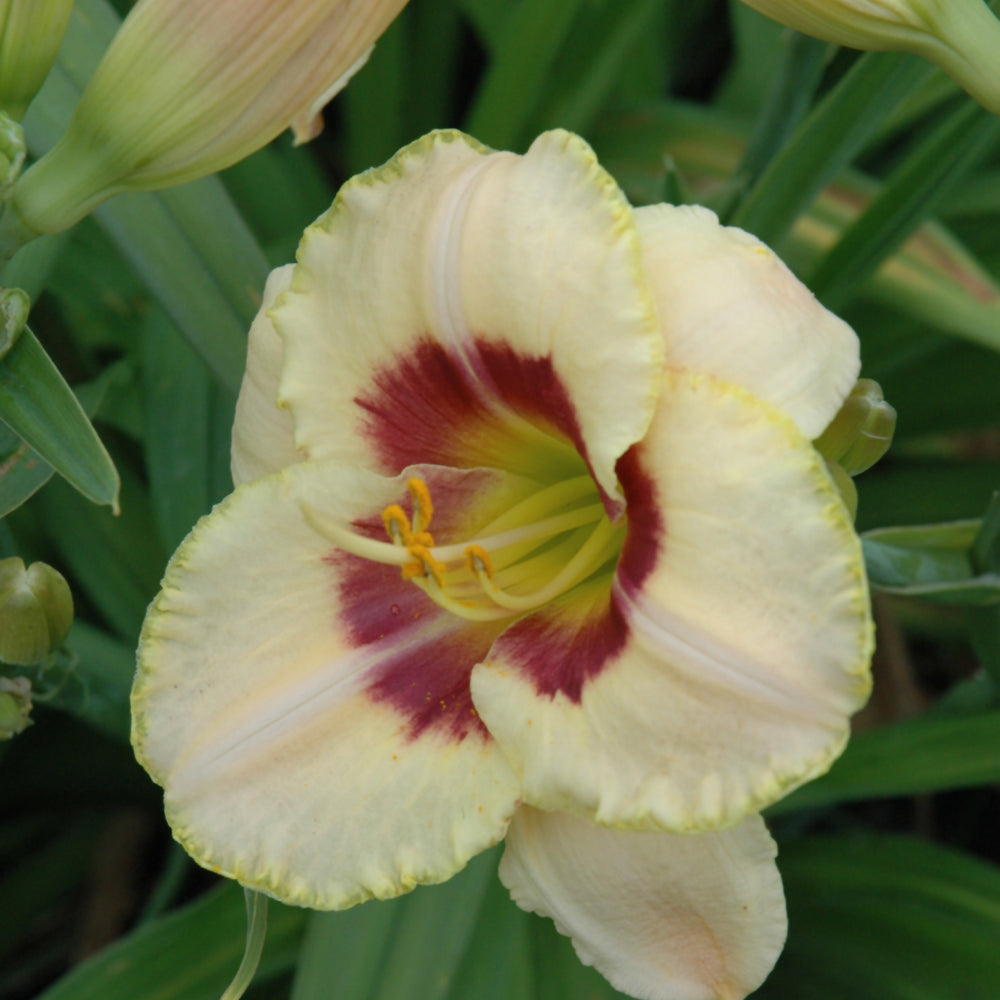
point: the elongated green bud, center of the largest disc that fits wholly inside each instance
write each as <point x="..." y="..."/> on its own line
<point x="15" y="706"/>
<point x="189" y="87"/>
<point x="36" y="611"/>
<point x="30" y="34"/>
<point x="960" y="36"/>
<point x="861" y="432"/>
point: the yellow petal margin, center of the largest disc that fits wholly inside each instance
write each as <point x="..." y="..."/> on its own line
<point x="254" y="708"/>
<point x="746" y="648"/>
<point x="461" y="256"/>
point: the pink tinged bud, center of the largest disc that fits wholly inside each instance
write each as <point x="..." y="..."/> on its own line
<point x="960" y="36"/>
<point x="30" y="34"/>
<point x="187" y="88"/>
<point x="36" y="611"/>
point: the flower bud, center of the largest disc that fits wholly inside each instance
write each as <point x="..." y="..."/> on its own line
<point x="30" y="34"/>
<point x="960" y="36"/>
<point x="14" y="308"/>
<point x="15" y="706"/>
<point x="187" y="88"/>
<point x="861" y="432"/>
<point x="36" y="611"/>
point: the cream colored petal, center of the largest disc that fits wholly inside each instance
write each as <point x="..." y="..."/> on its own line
<point x="456" y="294"/>
<point x="307" y="712"/>
<point x="662" y="916"/>
<point x="730" y="308"/>
<point x="721" y="671"/>
<point x="263" y="439"/>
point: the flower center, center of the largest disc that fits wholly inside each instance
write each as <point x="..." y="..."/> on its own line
<point x="536" y="550"/>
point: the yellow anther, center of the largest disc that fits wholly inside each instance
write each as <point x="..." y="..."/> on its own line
<point x="413" y="570"/>
<point x="423" y="509"/>
<point x="397" y="525"/>
<point x="478" y="561"/>
<point x="424" y="538"/>
<point x="429" y="566"/>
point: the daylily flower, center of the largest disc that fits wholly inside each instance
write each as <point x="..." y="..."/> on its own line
<point x="187" y="88"/>
<point x="529" y="538"/>
<point x="962" y="37"/>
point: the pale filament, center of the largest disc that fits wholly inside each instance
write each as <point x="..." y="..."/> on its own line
<point x="452" y="574"/>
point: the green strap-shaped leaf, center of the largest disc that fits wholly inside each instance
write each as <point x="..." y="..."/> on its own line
<point x="913" y="192"/>
<point x="40" y="408"/>
<point x="886" y="918"/>
<point x="94" y="679"/>
<point x="986" y="544"/>
<point x="22" y="471"/>
<point x="188" y="955"/>
<point x="792" y="89"/>
<point x="927" y="553"/>
<point x="188" y="422"/>
<point x="374" y="123"/>
<point x="929" y="754"/>
<point x="826" y="141"/>
<point x="346" y="949"/>
<point x="558" y="969"/>
<point x="603" y="43"/>
<point x="432" y="934"/>
<point x="116" y="562"/>
<point x="933" y="562"/>
<point x="489" y="18"/>
<point x="907" y="492"/>
<point x="984" y="623"/>
<point x="406" y="949"/>
<point x="531" y="40"/>
<point x="497" y="963"/>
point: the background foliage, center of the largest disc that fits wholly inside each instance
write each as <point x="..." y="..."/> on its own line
<point x="875" y="178"/>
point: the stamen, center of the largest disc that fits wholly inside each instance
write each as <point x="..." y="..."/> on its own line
<point x="594" y="552"/>
<point x="538" y="531"/>
<point x="423" y="509"/>
<point x="540" y="566"/>
<point x="397" y="525"/>
<point x="426" y="563"/>
<point x="472" y="611"/>
<point x="476" y="558"/>
<point x="357" y="545"/>
<point x="588" y="541"/>
<point x="555" y="497"/>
